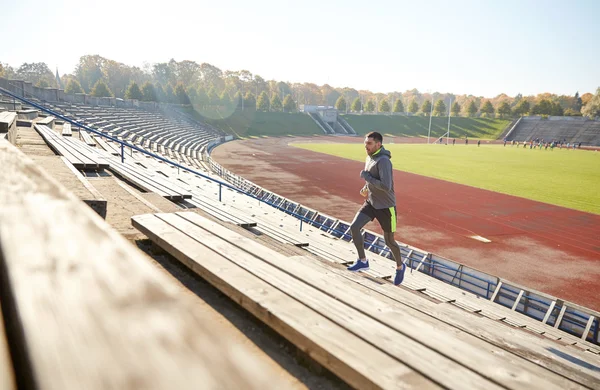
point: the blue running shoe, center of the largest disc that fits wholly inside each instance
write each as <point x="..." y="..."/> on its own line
<point x="359" y="266"/>
<point x="399" y="275"/>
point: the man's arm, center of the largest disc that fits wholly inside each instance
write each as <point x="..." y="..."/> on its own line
<point x="385" y="173"/>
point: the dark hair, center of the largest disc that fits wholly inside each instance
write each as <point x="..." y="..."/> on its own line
<point x="376" y="136"/>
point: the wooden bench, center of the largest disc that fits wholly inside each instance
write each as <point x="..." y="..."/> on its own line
<point x="73" y="150"/>
<point x="8" y="121"/>
<point x="47" y="121"/>
<point x="148" y="181"/>
<point x="367" y="340"/>
<point x="66" y="130"/>
<point x="91" y="311"/>
<point x="27" y="114"/>
<point x="85" y="137"/>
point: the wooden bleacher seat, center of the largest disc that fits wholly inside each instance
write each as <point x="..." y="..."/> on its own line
<point x="8" y="121"/>
<point x="85" y="137"/>
<point x="72" y="149"/>
<point x="91" y="311"/>
<point x="66" y="130"/>
<point x="47" y="121"/>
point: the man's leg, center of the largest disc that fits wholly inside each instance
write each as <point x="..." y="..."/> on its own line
<point x="360" y="220"/>
<point x="394" y="247"/>
<point x="387" y="220"/>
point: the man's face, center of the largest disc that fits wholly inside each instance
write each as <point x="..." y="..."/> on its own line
<point x="371" y="146"/>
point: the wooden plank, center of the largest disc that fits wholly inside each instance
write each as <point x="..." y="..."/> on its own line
<point x="413" y="344"/>
<point x="87" y="138"/>
<point x="534" y="349"/>
<point x="325" y="341"/>
<point x="549" y="312"/>
<point x="66" y="130"/>
<point x="560" y="315"/>
<point x="588" y="327"/>
<point x="514" y="307"/>
<point x="496" y="291"/>
<point x="93" y="311"/>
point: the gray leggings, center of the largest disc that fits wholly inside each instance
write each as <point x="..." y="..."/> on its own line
<point x="360" y="220"/>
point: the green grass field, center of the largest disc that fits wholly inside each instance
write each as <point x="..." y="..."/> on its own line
<point x="257" y="123"/>
<point x="416" y="126"/>
<point x="561" y="177"/>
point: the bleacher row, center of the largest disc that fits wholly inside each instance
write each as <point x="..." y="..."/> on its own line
<point x="157" y="131"/>
<point x="571" y="130"/>
<point x="425" y="334"/>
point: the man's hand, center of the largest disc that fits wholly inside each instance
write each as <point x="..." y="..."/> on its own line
<point x="364" y="191"/>
<point x="364" y="174"/>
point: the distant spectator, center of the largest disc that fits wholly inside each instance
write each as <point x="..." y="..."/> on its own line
<point x="478" y="143"/>
<point x="453" y="141"/>
<point x="466" y="140"/>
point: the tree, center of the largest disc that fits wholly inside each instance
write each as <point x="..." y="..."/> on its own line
<point x="250" y="101"/>
<point x="181" y="97"/>
<point x="288" y="103"/>
<point x="577" y="102"/>
<point x="213" y="98"/>
<point x="201" y="97"/>
<point x="100" y="89"/>
<point x="225" y="99"/>
<point x="73" y="86"/>
<point x="7" y="71"/>
<point x="572" y="112"/>
<point x="170" y="94"/>
<point x="340" y="104"/>
<point x="42" y="84"/>
<point x="556" y="109"/>
<point x="487" y="107"/>
<point x="398" y="106"/>
<point x="456" y="109"/>
<point x="133" y="92"/>
<point x="89" y="70"/>
<point x="35" y="72"/>
<point x="472" y="109"/>
<point x="426" y="107"/>
<point x="161" y="96"/>
<point x="522" y="108"/>
<point x="148" y="92"/>
<point x="262" y="103"/>
<point x="413" y="107"/>
<point x="440" y="108"/>
<point x="384" y="106"/>
<point x="370" y="106"/>
<point x="592" y="108"/>
<point x="275" y="103"/>
<point x="544" y="107"/>
<point x="504" y="109"/>
<point x="356" y="105"/>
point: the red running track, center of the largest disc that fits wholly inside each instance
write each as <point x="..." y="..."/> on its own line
<point x="547" y="248"/>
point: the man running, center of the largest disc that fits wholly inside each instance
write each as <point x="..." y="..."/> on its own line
<point x="380" y="204"/>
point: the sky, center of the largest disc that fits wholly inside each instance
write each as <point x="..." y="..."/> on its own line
<point x="478" y="47"/>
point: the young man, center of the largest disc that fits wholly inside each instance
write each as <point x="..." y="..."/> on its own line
<point x="380" y="204"/>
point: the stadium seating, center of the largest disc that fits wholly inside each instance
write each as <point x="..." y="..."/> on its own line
<point x="567" y="129"/>
<point x="426" y="333"/>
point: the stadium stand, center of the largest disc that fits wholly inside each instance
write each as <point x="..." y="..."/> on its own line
<point x="567" y="129"/>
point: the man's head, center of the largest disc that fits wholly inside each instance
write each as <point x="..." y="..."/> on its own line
<point x="373" y="142"/>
